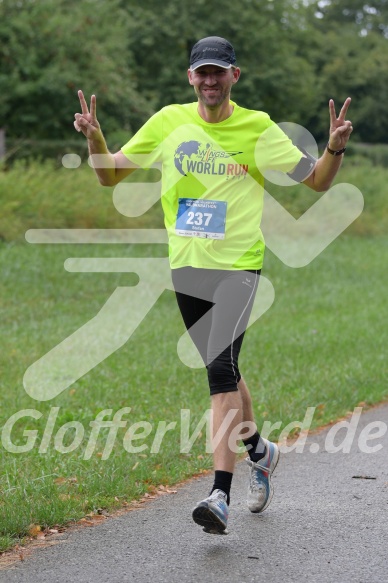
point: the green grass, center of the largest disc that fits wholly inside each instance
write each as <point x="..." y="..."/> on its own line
<point x="368" y="177"/>
<point x="36" y="195"/>
<point x="322" y="344"/>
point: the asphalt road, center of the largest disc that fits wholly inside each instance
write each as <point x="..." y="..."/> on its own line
<point x="323" y="525"/>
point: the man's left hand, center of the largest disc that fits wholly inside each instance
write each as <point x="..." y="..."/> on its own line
<point x="340" y="129"/>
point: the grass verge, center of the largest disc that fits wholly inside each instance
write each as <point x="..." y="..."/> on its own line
<point x="322" y="344"/>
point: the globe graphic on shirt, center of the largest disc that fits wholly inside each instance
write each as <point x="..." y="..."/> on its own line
<point x="184" y="152"/>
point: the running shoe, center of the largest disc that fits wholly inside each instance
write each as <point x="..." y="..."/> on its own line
<point x="212" y="513"/>
<point x="260" y="489"/>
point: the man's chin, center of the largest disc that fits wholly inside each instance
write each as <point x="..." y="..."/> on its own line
<point x="212" y="102"/>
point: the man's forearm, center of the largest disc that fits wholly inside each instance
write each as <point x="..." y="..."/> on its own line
<point x="325" y="171"/>
<point x="102" y="160"/>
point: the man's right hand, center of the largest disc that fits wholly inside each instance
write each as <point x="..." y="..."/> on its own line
<point x="110" y="168"/>
<point x="86" y="122"/>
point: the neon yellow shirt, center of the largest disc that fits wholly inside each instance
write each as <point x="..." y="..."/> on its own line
<point x="212" y="181"/>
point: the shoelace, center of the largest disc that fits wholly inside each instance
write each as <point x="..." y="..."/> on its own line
<point x="256" y="480"/>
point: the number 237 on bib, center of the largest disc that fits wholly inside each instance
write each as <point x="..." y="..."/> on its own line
<point x="201" y="218"/>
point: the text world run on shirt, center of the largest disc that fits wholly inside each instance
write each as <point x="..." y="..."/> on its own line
<point x="202" y="158"/>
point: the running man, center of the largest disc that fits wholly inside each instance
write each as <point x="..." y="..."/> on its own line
<point x="214" y="154"/>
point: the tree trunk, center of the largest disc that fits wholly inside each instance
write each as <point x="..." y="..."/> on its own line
<point x="2" y="143"/>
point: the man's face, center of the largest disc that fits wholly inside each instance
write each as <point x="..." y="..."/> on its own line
<point x="212" y="84"/>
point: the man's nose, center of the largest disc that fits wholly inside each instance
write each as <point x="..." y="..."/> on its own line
<point x="210" y="79"/>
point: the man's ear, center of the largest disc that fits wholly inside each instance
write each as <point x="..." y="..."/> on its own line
<point x="189" y="73"/>
<point x="236" y="74"/>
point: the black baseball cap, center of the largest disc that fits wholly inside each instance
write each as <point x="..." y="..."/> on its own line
<point x="212" y="50"/>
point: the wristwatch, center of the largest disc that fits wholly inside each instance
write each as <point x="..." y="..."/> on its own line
<point x="335" y="152"/>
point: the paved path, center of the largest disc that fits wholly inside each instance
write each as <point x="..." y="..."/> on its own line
<point x="323" y="525"/>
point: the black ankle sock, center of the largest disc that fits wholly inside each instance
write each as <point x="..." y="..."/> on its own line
<point x="255" y="447"/>
<point x="223" y="481"/>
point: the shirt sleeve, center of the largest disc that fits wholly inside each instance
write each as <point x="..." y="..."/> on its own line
<point x="275" y="151"/>
<point x="279" y="159"/>
<point x="145" y="147"/>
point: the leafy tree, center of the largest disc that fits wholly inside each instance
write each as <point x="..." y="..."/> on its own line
<point x="263" y="32"/>
<point x="51" y="48"/>
<point x="365" y="16"/>
<point x="351" y="59"/>
<point x="294" y="55"/>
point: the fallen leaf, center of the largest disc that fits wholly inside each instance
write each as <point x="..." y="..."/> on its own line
<point x="148" y="496"/>
<point x="86" y="521"/>
<point x="34" y="530"/>
<point x="320" y="409"/>
<point x="98" y="517"/>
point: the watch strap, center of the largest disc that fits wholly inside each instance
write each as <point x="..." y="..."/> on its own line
<point x="335" y="152"/>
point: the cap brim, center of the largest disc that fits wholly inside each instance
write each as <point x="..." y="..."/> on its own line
<point x="222" y="64"/>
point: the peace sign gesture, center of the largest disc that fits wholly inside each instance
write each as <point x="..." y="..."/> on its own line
<point x="340" y="129"/>
<point x="86" y="122"/>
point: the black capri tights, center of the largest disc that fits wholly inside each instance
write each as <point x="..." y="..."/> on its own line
<point x="215" y="307"/>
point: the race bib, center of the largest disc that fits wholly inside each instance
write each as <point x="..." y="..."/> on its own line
<point x="201" y="218"/>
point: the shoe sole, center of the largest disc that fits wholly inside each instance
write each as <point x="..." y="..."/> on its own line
<point x="204" y="516"/>
<point x="271" y="489"/>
